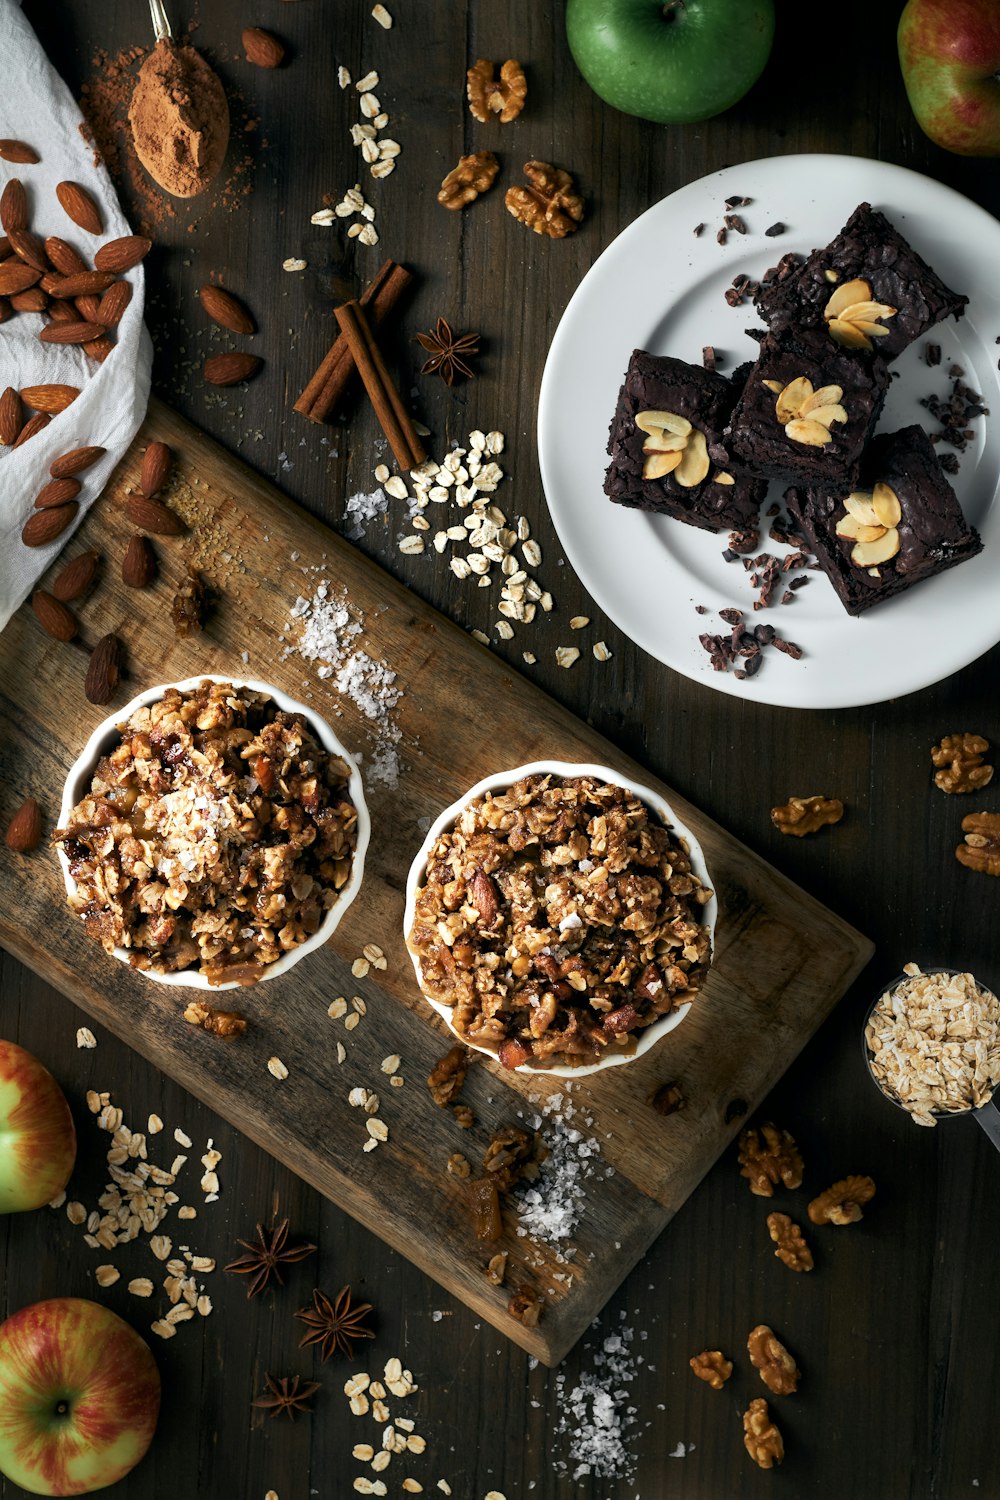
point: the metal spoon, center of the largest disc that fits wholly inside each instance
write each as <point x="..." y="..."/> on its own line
<point x="987" y="1116"/>
<point x="161" y="22"/>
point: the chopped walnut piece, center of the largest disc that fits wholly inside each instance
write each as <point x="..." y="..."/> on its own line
<point x="190" y="606"/>
<point x="768" y="1354"/>
<point x="667" y="1099"/>
<point x="802" y="815"/>
<point x="488" y="96"/>
<point x="220" y="1022"/>
<point x="959" y="762"/>
<point x="761" y="1439"/>
<point x="981" y="849"/>
<point x="448" y="1075"/>
<point x="713" y="1367"/>
<point x="474" y="174"/>
<point x="526" y="1306"/>
<point x="464" y="1117"/>
<point x="510" y="1156"/>
<point x="842" y="1203"/>
<point x="768" y="1161"/>
<point x="792" y="1248"/>
<point x="496" y="1270"/>
<point x="458" y="1165"/>
<point x="548" y="205"/>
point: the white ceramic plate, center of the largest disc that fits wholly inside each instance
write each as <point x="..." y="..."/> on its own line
<point x="659" y="287"/>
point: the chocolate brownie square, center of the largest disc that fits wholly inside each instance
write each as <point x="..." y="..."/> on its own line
<point x="807" y="410"/>
<point x="905" y="524"/>
<point x="666" y="446"/>
<point x="870" y="263"/>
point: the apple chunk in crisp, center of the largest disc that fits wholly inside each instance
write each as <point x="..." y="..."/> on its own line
<point x="214" y="837"/>
<point x="558" y="919"/>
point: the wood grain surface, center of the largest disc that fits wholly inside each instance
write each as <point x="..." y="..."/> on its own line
<point x="896" y="1329"/>
<point x="781" y="960"/>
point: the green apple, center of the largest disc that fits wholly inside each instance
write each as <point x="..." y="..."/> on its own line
<point x="79" y="1397"/>
<point x="672" y="61"/>
<point x="37" y="1137"/>
<point x="949" y="53"/>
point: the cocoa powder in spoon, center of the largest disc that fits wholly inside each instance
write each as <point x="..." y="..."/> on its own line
<point x="180" y="119"/>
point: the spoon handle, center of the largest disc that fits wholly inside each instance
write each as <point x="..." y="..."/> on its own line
<point x="161" y="23"/>
<point x="989" y="1118"/>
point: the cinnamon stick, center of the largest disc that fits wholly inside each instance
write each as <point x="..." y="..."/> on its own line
<point x="329" y="385"/>
<point x="394" y="419"/>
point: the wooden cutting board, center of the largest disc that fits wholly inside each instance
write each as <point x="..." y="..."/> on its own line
<point x="782" y="960"/>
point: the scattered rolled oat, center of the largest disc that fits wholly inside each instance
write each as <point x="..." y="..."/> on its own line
<point x="382" y="16"/>
<point x="277" y="1068"/>
<point x="579" y="622"/>
<point x="141" y="1286"/>
<point x="85" y="1037"/>
<point x="566" y="656"/>
<point x="293" y="264"/>
<point x="106" y="1275"/>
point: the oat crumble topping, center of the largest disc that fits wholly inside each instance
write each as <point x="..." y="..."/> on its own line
<point x="559" y="919"/>
<point x="215" y="836"/>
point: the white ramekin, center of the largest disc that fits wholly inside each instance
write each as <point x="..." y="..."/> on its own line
<point x="501" y="781"/>
<point x="101" y="741"/>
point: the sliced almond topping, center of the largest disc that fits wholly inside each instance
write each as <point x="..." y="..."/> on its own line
<point x="846" y="295"/>
<point x="804" y="430"/>
<point x="721" y="477"/>
<point x="885" y="504"/>
<point x="867" y="554"/>
<point x="867" y="312"/>
<point x="873" y="330"/>
<point x="664" y="442"/>
<point x="847" y="335"/>
<point x="859" y="504"/>
<point x="792" y="398"/>
<point x="653" y="421"/>
<point x="694" y="464"/>
<point x="773" y="385"/>
<point x="659" y="464"/>
<point x="857" y="531"/>
<point x="827" y="395"/>
<point x="824" y="415"/>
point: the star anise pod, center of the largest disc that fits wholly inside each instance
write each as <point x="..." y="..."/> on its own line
<point x="289" y="1394"/>
<point x="335" y="1325"/>
<point x="266" y="1257"/>
<point x="448" y="354"/>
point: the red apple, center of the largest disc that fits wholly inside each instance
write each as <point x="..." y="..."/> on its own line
<point x="37" y="1136"/>
<point x="79" y="1397"/>
<point x="949" y="51"/>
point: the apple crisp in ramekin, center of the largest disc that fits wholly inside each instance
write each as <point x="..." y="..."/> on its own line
<point x="214" y="837"/>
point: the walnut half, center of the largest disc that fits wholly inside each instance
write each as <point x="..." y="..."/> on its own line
<point x="488" y="96"/>
<point x="227" y="1023"/>
<point x="792" y="1248"/>
<point x="768" y="1157"/>
<point x="959" y="763"/>
<point x="981" y="849"/>
<point x="768" y="1354"/>
<point x="526" y="1306"/>
<point x="549" y="204"/>
<point x="842" y="1203"/>
<point x="474" y="174"/>
<point x="761" y="1438"/>
<point x="802" y="815"/>
<point x="712" y="1366"/>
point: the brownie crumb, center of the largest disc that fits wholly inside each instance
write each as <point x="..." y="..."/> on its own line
<point x="738" y="201"/>
<point x="932" y="354"/>
<point x="775" y="230"/>
<point x="709" y="357"/>
<point x="788" y="647"/>
<point x="731" y="616"/>
<point x="735" y="223"/>
<point x="787" y="597"/>
<point x="701" y="609"/>
<point x="698" y="229"/>
<point x="721" y="236"/>
<point x="798" y="583"/>
<point x="949" y="462"/>
<point x="742" y="541"/>
<point x="733" y="297"/>
<point x="956" y="372"/>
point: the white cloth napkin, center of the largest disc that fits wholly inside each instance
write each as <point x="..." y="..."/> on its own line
<point x="37" y="107"/>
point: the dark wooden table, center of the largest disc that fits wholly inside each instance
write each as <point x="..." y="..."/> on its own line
<point x="897" y="1328"/>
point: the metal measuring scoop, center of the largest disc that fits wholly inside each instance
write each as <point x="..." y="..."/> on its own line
<point x="987" y="1116"/>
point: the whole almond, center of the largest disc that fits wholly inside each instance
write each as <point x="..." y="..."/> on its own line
<point x="80" y="284"/>
<point x="156" y="463"/>
<point x="15" y="276"/>
<point x="71" y="333"/>
<point x="226" y="310"/>
<point x="63" y="311"/>
<point x="121" y="255"/>
<point x="74" y="462"/>
<point x="86" y="307"/>
<point x="53" y="616"/>
<point x="103" y="670"/>
<point x="24" y="831"/>
<point x="151" y="515"/>
<point x="18" y="151"/>
<point x="14" y="206"/>
<point x="230" y="369"/>
<point x="262" y="49"/>
<point x="29" y="248"/>
<point x="65" y="259"/>
<point x="57" y="492"/>
<point x="72" y="581"/>
<point x="98" y="349"/>
<point x="49" y="398"/>
<point x="43" y="526"/>
<point x="11" y="416"/>
<point x="33" y="300"/>
<point x="48" y="281"/>
<point x="139" y="563"/>
<point x="113" y="304"/>
<point x="33" y="425"/>
<point x="80" y="206"/>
